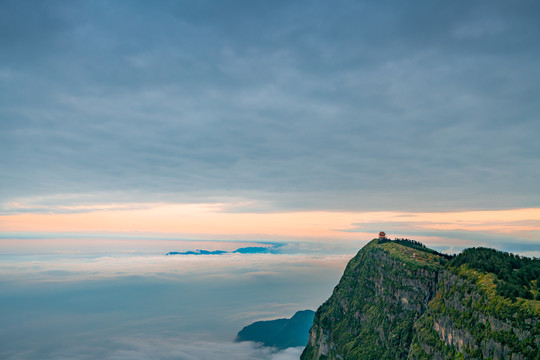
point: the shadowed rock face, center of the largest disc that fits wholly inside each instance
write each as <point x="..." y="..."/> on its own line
<point x="401" y="302"/>
<point x="280" y="333"/>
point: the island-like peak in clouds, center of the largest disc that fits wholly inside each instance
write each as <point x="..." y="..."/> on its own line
<point x="401" y="300"/>
<point x="280" y="333"/>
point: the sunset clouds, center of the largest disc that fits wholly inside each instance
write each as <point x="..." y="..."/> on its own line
<point x="216" y="221"/>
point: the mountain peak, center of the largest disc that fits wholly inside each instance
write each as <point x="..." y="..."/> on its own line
<point x="280" y="333"/>
<point x="398" y="299"/>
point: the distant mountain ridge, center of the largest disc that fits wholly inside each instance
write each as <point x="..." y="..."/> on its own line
<point x="280" y="333"/>
<point x="401" y="300"/>
<point x="198" y="252"/>
<point x="244" y="250"/>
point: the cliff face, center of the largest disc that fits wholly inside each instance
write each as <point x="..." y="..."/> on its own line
<point x="398" y="302"/>
<point x="468" y="320"/>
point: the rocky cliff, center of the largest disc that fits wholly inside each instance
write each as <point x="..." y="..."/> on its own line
<point x="400" y="300"/>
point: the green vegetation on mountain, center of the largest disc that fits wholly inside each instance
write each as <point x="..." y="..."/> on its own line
<point x="401" y="300"/>
<point x="516" y="276"/>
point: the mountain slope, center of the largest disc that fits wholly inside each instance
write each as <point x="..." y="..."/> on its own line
<point x="399" y="300"/>
<point x="476" y="315"/>
<point x="280" y="333"/>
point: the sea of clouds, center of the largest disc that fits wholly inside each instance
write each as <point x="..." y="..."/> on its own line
<point x="136" y="306"/>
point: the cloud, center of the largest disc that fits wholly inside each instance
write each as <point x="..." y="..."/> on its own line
<point x="386" y="106"/>
<point x="187" y="307"/>
<point x="510" y="230"/>
<point x="236" y="268"/>
<point x="204" y="350"/>
<point x="121" y="348"/>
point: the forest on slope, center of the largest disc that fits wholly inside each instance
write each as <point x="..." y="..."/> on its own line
<point x="401" y="300"/>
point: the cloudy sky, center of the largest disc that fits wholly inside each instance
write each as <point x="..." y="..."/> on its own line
<point x="299" y="108"/>
<point x="126" y="126"/>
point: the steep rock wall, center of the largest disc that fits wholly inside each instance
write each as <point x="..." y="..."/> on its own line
<point x="398" y="302"/>
<point x="466" y="321"/>
<point x="371" y="312"/>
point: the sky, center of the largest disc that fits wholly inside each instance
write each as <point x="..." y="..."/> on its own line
<point x="306" y="109"/>
<point x="129" y="129"/>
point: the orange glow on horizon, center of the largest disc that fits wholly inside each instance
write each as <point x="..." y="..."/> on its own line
<point x="211" y="220"/>
<point x="186" y="219"/>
